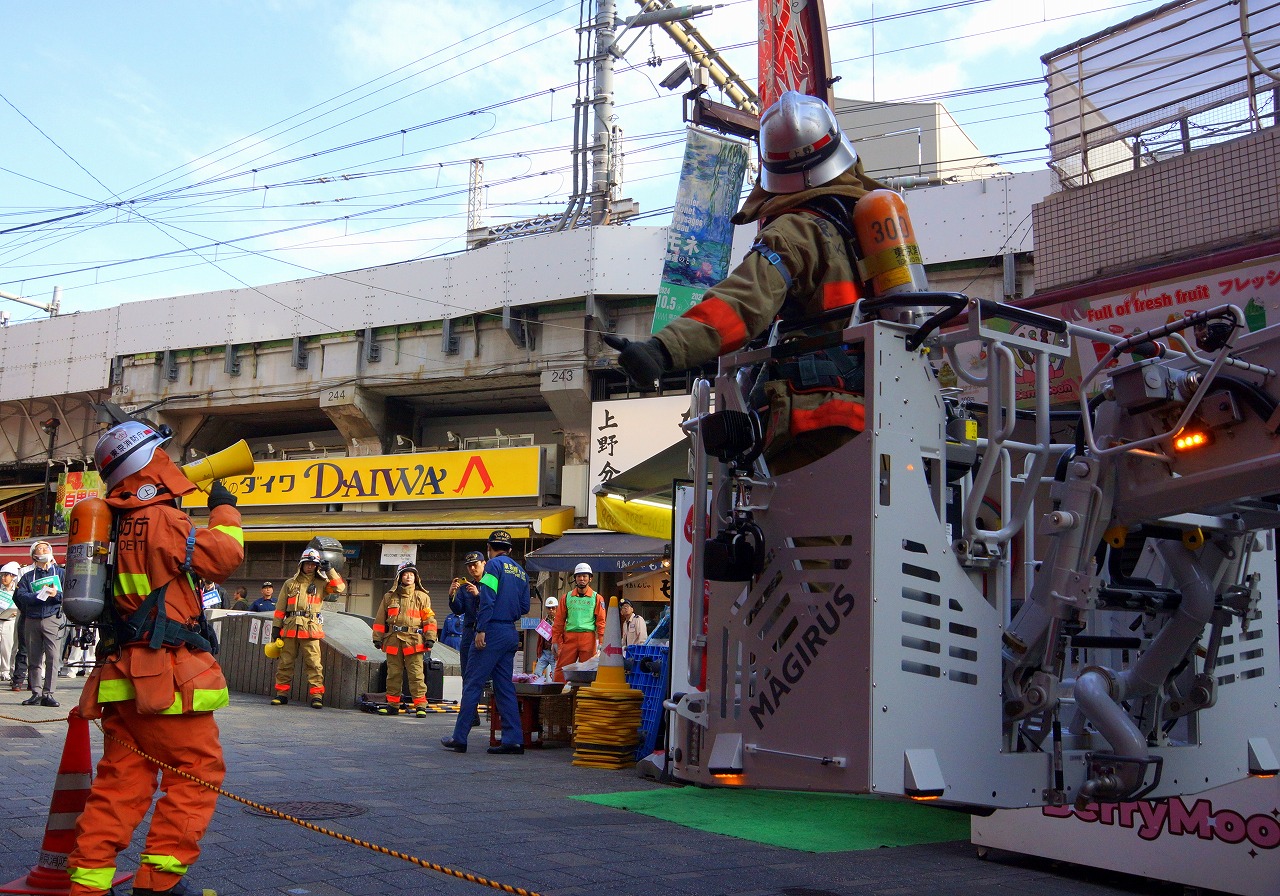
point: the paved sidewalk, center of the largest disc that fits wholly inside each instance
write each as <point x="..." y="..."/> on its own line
<point x="506" y="818"/>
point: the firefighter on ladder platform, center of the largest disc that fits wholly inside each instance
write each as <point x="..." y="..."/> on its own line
<point x="298" y="622"/>
<point x="156" y="683"/>
<point x="801" y="266"/>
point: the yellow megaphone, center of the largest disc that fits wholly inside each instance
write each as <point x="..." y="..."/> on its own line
<point x="234" y="461"/>
<point x="273" y="649"/>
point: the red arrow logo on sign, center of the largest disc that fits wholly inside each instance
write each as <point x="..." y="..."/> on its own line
<point x="611" y="651"/>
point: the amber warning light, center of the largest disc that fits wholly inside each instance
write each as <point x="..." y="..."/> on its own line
<point x="1190" y="440"/>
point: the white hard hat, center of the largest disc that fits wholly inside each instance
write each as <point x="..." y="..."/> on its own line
<point x="801" y="145"/>
<point x="581" y="568"/>
<point x="310" y="555"/>
<point x="125" y="449"/>
<point x="14" y="569"/>
<point x="550" y="603"/>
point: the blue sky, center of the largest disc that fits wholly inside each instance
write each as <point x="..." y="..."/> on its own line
<point x="193" y="147"/>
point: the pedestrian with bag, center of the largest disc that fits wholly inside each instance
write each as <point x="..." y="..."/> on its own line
<point x="39" y="596"/>
<point x="545" y="667"/>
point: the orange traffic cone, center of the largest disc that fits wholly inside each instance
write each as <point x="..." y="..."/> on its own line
<point x="75" y="773"/>
<point x="609" y="672"/>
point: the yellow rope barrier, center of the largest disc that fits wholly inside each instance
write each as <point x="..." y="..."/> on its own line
<point x="346" y="838"/>
<point x="34" y="721"/>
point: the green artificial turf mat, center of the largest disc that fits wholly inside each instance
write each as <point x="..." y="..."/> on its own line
<point x="811" y="822"/>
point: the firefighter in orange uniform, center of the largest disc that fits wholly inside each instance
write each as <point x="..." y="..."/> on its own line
<point x="298" y="623"/>
<point x="579" y="624"/>
<point x="156" y="684"/>
<point x="404" y="628"/>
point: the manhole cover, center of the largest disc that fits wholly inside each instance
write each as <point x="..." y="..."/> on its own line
<point x="20" y="732"/>
<point x="311" y="811"/>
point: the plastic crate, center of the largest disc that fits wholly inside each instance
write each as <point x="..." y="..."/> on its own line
<point x="650" y="678"/>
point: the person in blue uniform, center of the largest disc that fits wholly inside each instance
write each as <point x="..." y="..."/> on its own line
<point x="504" y="598"/>
<point x="464" y="601"/>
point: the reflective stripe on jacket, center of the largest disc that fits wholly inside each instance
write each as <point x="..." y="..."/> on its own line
<point x="405" y="621"/>
<point x="151" y="544"/>
<point x="297" y="611"/>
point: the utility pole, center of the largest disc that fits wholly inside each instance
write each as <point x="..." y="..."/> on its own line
<point x="52" y="307"/>
<point x="602" y="174"/>
<point x="50" y="426"/>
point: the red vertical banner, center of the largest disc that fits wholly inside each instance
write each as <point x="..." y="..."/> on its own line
<point x="793" y="50"/>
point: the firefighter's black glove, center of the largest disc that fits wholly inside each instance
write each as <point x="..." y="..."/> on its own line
<point x="644" y="362"/>
<point x="218" y="495"/>
<point x="275" y="633"/>
<point x="430" y="644"/>
<point x="324" y="568"/>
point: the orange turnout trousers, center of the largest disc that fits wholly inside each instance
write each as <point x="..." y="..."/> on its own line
<point x="125" y="785"/>
<point x="575" y="647"/>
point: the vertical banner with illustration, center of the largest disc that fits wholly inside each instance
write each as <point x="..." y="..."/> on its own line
<point x="793" y="52"/>
<point x="73" y="487"/>
<point x="700" y="238"/>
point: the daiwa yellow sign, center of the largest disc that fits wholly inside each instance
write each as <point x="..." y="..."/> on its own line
<point x="427" y="476"/>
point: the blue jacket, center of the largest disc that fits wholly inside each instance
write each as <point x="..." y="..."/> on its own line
<point x="465" y="605"/>
<point x="25" y="596"/>
<point x="504" y="593"/>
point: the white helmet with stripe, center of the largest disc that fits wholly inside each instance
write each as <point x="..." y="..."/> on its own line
<point x="126" y="448"/>
<point x="801" y="145"/>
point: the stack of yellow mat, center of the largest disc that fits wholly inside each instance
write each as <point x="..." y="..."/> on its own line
<point x="606" y="715"/>
<point x="606" y="727"/>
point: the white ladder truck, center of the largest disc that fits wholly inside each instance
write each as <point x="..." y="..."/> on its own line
<point x="1028" y="612"/>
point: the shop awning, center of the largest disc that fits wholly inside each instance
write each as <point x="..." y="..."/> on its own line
<point x="610" y="552"/>
<point x="409" y="525"/>
<point x="20" y="551"/>
<point x="638" y="500"/>
<point x="11" y="494"/>
<point x="652" y="478"/>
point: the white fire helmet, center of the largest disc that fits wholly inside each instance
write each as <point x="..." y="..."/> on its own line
<point x="124" y="449"/>
<point x="581" y="568"/>
<point x="312" y="555"/>
<point x="801" y="145"/>
<point x="551" y="603"/>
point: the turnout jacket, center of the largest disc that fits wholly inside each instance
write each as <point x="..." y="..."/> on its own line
<point x="301" y="598"/>
<point x="151" y="545"/>
<point x="799" y="268"/>
<point x="404" y="621"/>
